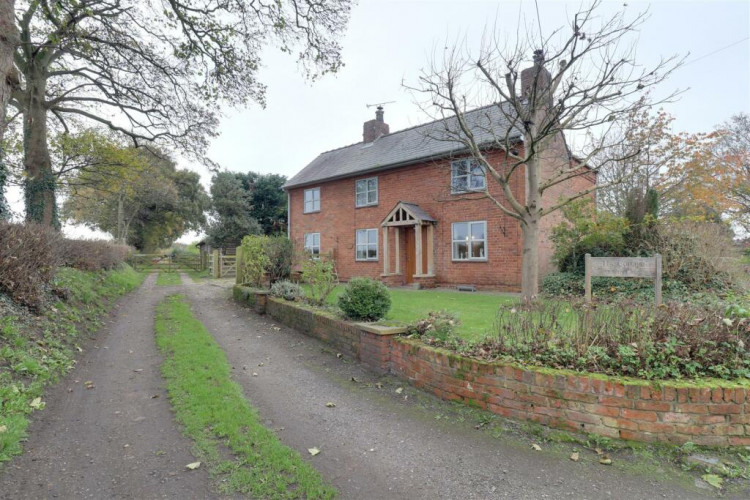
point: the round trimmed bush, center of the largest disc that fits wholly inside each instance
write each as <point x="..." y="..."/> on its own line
<point x="365" y="299"/>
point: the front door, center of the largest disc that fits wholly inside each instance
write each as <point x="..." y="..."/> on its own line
<point x="409" y="255"/>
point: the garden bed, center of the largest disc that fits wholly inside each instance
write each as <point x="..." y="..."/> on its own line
<point x="709" y="412"/>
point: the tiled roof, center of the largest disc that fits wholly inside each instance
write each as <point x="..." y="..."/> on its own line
<point x="418" y="212"/>
<point x="405" y="146"/>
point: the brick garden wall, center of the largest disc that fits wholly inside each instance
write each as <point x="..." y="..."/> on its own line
<point x="628" y="410"/>
<point x="617" y="408"/>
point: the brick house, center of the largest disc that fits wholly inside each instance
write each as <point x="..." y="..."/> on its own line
<point x="409" y="208"/>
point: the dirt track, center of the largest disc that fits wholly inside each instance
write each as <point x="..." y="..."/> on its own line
<point x="119" y="441"/>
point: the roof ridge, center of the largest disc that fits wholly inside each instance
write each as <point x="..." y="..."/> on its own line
<point x="410" y="128"/>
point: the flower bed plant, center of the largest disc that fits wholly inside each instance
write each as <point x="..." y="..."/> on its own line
<point x="676" y="341"/>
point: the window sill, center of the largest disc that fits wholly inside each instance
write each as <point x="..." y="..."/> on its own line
<point x="470" y="260"/>
<point x="365" y="260"/>
<point x="366" y="206"/>
<point x="312" y="212"/>
<point x="469" y="191"/>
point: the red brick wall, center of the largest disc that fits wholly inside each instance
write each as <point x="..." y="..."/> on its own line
<point x="427" y="185"/>
<point x="634" y="411"/>
<point x="557" y="159"/>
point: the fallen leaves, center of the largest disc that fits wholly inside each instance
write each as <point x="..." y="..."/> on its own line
<point x="193" y="466"/>
<point x="574" y="456"/>
<point x="605" y="460"/>
<point x="89" y="384"/>
<point x="313" y="451"/>
<point x="714" y="480"/>
<point x="536" y="447"/>
<point x="37" y="403"/>
<point x="399" y="390"/>
<point x="3" y="428"/>
<point x="330" y="405"/>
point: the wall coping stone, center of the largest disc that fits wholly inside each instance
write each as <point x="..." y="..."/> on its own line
<point x="381" y="329"/>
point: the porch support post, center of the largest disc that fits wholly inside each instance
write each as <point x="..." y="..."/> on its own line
<point x="386" y="267"/>
<point x="397" y="235"/>
<point x="418" y="241"/>
<point x="431" y="249"/>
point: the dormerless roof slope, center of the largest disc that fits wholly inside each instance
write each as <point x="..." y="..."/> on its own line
<point x="404" y="147"/>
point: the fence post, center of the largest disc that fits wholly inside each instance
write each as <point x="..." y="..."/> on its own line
<point x="587" y="284"/>
<point x="217" y="263"/>
<point x="239" y="268"/>
<point x="657" y="280"/>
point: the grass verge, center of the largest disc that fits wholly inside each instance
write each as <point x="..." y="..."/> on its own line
<point x="35" y="350"/>
<point x="215" y="414"/>
<point x="168" y="279"/>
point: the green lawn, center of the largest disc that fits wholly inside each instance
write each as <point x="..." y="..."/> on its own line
<point x="215" y="414"/>
<point x="475" y="310"/>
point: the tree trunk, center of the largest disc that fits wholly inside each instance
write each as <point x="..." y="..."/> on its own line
<point x="8" y="80"/>
<point x="39" y="186"/>
<point x="530" y="260"/>
<point x="120" y="221"/>
<point x="530" y="224"/>
<point x="8" y="42"/>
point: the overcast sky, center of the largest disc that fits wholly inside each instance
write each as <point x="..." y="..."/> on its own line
<point x="389" y="41"/>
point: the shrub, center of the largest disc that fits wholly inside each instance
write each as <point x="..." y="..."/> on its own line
<point x="365" y="299"/>
<point x="698" y="253"/>
<point x="563" y="285"/>
<point x="255" y="260"/>
<point x="611" y="289"/>
<point x="91" y="255"/>
<point x="438" y="325"/>
<point x="584" y="230"/>
<point x="280" y="252"/>
<point x="320" y="274"/>
<point x="287" y="290"/>
<point x="28" y="260"/>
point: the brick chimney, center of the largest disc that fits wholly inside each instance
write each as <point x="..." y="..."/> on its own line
<point x="375" y="128"/>
<point x="542" y="75"/>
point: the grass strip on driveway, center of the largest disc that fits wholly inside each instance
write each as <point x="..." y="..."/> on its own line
<point x="167" y="279"/>
<point x="216" y="415"/>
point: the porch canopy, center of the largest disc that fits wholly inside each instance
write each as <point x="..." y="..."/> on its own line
<point x="406" y="216"/>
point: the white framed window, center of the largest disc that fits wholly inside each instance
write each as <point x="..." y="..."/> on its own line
<point x="366" y="192"/>
<point x="467" y="175"/>
<point x="367" y="244"/>
<point x="312" y="244"/>
<point x="312" y="200"/>
<point x="470" y="240"/>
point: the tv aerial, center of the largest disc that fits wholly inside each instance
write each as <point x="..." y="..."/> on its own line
<point x="379" y="104"/>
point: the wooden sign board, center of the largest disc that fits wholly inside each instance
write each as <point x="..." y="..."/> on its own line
<point x="624" y="267"/>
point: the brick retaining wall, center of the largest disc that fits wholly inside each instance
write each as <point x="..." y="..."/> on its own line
<point x="613" y="407"/>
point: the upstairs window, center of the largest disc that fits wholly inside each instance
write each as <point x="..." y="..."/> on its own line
<point x="470" y="240"/>
<point x="467" y="175"/>
<point x="367" y="244"/>
<point x="312" y="244"/>
<point x="367" y="192"/>
<point x="312" y="200"/>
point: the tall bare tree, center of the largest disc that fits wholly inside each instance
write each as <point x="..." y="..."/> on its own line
<point x="584" y="79"/>
<point x="8" y="80"/>
<point x="154" y="70"/>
